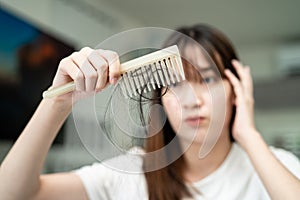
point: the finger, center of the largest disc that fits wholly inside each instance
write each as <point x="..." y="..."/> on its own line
<point x="248" y="80"/>
<point x="245" y="76"/>
<point x="87" y="50"/>
<point x="89" y="72"/>
<point x="113" y="61"/>
<point x="68" y="68"/>
<point x="237" y="87"/>
<point x="240" y="69"/>
<point x="101" y="66"/>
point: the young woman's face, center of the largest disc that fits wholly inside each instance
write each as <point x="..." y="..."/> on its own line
<point x="196" y="109"/>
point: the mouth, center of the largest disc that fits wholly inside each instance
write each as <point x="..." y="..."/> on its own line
<point x="195" y="121"/>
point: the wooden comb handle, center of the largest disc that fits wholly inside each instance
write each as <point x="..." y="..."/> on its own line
<point x="64" y="89"/>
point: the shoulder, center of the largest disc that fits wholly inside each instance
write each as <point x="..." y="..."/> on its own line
<point x="243" y="176"/>
<point x="284" y="155"/>
<point x="288" y="159"/>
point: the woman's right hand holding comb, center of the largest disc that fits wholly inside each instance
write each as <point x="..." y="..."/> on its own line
<point x="90" y="69"/>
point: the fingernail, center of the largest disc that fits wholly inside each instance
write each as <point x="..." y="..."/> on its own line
<point x="113" y="80"/>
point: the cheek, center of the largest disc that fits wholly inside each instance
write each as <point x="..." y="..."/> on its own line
<point x="229" y="107"/>
<point x="229" y="100"/>
<point x="221" y="107"/>
<point x="229" y="103"/>
<point x="173" y="110"/>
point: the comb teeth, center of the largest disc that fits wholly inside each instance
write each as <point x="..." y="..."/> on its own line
<point x="147" y="78"/>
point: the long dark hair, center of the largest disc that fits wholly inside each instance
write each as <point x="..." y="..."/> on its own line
<point x="168" y="182"/>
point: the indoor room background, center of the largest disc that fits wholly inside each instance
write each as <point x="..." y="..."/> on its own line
<point x="266" y="34"/>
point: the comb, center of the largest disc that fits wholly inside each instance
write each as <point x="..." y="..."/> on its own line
<point x="141" y="75"/>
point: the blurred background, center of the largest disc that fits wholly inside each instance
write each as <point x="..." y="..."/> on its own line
<point x="35" y="35"/>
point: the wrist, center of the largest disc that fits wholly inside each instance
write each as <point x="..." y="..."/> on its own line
<point x="59" y="104"/>
<point x="250" y="139"/>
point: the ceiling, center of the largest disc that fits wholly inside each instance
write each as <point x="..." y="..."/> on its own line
<point x="243" y="21"/>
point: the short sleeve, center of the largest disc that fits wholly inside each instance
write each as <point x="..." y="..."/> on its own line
<point x="120" y="177"/>
<point x="288" y="159"/>
<point x="95" y="179"/>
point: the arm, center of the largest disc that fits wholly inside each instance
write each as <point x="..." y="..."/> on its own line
<point x="279" y="182"/>
<point x="20" y="171"/>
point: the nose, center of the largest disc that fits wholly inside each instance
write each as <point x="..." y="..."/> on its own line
<point x="193" y="97"/>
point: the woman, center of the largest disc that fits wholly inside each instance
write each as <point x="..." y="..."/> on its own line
<point x="238" y="166"/>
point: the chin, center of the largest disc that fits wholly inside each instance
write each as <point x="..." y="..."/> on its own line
<point x="192" y="138"/>
<point x="201" y="138"/>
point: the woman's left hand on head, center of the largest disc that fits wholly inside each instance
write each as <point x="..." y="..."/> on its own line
<point x="243" y="126"/>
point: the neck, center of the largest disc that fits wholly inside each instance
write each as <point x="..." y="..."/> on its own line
<point x="198" y="168"/>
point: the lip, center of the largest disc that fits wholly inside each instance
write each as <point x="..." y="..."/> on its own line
<point x="195" y="120"/>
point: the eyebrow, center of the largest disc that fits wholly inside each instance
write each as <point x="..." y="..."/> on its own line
<point x="207" y="69"/>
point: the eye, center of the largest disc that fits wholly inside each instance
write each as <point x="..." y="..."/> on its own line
<point x="173" y="85"/>
<point x="209" y="80"/>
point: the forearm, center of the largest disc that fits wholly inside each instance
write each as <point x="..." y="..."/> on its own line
<point x="20" y="171"/>
<point x="279" y="182"/>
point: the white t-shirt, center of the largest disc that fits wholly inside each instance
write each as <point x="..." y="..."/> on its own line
<point x="234" y="179"/>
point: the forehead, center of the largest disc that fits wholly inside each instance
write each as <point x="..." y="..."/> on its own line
<point x="196" y="56"/>
<point x="197" y="64"/>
